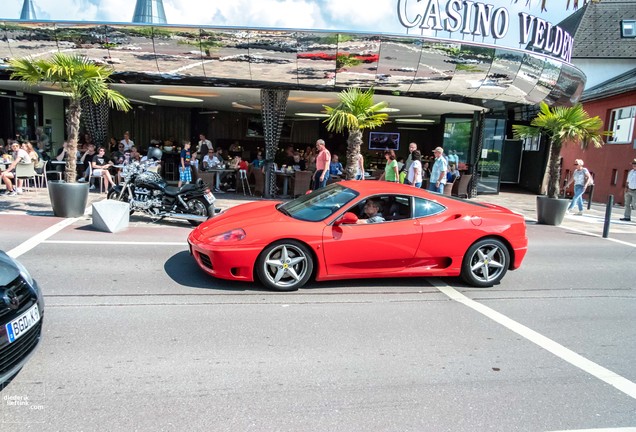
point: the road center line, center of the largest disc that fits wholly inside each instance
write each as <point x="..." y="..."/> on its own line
<point x="40" y="237"/>
<point x="598" y="371"/>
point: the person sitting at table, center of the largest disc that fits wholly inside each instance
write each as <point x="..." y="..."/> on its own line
<point x="28" y="147"/>
<point x="19" y="156"/>
<point x="372" y="212"/>
<point x="126" y="141"/>
<point x="210" y="160"/>
<point x="61" y="153"/>
<point x="453" y="174"/>
<point x="335" y="167"/>
<point x="134" y="154"/>
<point x="100" y="165"/>
<point x="87" y="158"/>
<point x="299" y="164"/>
<point x="259" y="161"/>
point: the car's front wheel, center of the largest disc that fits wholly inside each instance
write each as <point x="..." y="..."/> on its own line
<point x="285" y="265"/>
<point x="485" y="263"/>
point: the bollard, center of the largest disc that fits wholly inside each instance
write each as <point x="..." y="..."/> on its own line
<point x="608" y="215"/>
<point x="590" y="196"/>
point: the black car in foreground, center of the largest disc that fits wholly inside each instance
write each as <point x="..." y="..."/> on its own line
<point x="21" y="312"/>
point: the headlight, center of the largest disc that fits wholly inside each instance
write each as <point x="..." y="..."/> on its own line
<point x="232" y="235"/>
<point x="24" y="272"/>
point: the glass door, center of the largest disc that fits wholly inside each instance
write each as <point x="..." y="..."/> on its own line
<point x="489" y="161"/>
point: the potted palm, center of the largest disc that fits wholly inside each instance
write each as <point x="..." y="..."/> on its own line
<point x="355" y="112"/>
<point x="560" y="125"/>
<point x="80" y="78"/>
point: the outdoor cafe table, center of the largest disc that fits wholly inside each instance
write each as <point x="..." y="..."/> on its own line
<point x="286" y="176"/>
<point x="219" y="174"/>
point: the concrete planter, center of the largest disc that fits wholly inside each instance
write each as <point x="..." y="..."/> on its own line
<point x="68" y="199"/>
<point x="551" y="211"/>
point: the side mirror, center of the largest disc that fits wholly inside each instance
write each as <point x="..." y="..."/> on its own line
<point x="347" y="219"/>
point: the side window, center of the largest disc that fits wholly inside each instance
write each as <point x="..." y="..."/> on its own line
<point x="425" y="207"/>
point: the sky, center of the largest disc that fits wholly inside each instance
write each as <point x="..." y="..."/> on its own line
<point x="358" y="15"/>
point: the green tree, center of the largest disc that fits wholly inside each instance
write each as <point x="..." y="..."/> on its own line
<point x="80" y="78"/>
<point x="561" y="125"/>
<point x="355" y="112"/>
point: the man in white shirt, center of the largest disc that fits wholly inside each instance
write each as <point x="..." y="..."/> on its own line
<point x="210" y="160"/>
<point x="630" y="192"/>
<point x="19" y="156"/>
<point x="127" y="142"/>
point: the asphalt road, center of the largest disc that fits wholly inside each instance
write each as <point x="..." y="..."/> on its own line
<point x="138" y="338"/>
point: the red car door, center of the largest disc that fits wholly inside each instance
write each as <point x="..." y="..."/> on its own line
<point x="371" y="248"/>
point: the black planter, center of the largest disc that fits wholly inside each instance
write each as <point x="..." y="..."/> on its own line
<point x="68" y="199"/>
<point x="551" y="211"/>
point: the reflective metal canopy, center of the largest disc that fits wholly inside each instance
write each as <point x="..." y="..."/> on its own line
<point x="414" y="66"/>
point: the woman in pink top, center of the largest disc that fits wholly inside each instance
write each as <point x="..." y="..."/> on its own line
<point x="322" y="165"/>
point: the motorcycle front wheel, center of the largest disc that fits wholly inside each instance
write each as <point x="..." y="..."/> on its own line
<point x="198" y="207"/>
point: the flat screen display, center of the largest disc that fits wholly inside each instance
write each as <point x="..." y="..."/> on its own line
<point x="384" y="141"/>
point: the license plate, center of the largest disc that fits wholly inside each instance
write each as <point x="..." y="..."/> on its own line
<point x="209" y="197"/>
<point x="23" y="323"/>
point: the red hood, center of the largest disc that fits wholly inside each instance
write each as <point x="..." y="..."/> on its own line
<point x="242" y="216"/>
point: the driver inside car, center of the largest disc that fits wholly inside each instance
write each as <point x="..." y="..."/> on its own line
<point x="371" y="212"/>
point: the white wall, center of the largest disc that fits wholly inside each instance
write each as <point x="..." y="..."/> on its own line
<point x="53" y="110"/>
<point x="601" y="70"/>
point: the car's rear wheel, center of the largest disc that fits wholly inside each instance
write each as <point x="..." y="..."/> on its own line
<point x="485" y="263"/>
<point x="285" y="265"/>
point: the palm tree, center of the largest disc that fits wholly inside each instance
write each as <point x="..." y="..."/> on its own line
<point x="355" y="112"/>
<point x="80" y="78"/>
<point x="562" y="125"/>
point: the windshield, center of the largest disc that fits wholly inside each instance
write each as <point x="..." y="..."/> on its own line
<point x="319" y="204"/>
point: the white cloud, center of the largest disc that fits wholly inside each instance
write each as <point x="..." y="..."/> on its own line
<point x="360" y="15"/>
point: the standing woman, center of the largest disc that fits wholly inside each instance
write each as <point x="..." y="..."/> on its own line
<point x="582" y="179"/>
<point x="391" y="171"/>
<point x="415" y="169"/>
<point x="360" y="167"/>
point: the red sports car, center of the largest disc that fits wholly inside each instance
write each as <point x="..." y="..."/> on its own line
<point x="361" y="229"/>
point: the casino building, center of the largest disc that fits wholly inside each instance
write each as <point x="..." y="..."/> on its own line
<point x="449" y="80"/>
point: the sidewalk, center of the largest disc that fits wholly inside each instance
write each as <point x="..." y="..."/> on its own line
<point x="37" y="204"/>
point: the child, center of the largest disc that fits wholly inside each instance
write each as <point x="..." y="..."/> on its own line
<point x="185" y="174"/>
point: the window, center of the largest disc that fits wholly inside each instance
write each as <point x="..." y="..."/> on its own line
<point x="621" y="124"/>
<point x="425" y="207"/>
<point x="531" y="144"/>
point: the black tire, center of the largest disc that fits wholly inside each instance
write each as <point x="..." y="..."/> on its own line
<point x="285" y="265"/>
<point x="485" y="263"/>
<point x="197" y="206"/>
<point x="114" y="195"/>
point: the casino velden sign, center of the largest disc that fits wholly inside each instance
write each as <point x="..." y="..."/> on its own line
<point x="486" y="20"/>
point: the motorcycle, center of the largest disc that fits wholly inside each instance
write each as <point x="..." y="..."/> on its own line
<point x="147" y="192"/>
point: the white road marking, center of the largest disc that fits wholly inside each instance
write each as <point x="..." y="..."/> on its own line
<point x="136" y="243"/>
<point x="40" y="237"/>
<point x="598" y="371"/>
<point x="620" y="429"/>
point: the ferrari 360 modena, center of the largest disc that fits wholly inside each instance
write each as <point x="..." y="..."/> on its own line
<point x="326" y="235"/>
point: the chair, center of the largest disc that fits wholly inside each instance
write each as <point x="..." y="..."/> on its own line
<point x="462" y="187"/>
<point x="91" y="176"/>
<point x="259" y="182"/>
<point x="40" y="173"/>
<point x="302" y="182"/>
<point x="26" y="171"/>
<point x="244" y="182"/>
<point x="448" y="188"/>
<point x="56" y="173"/>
